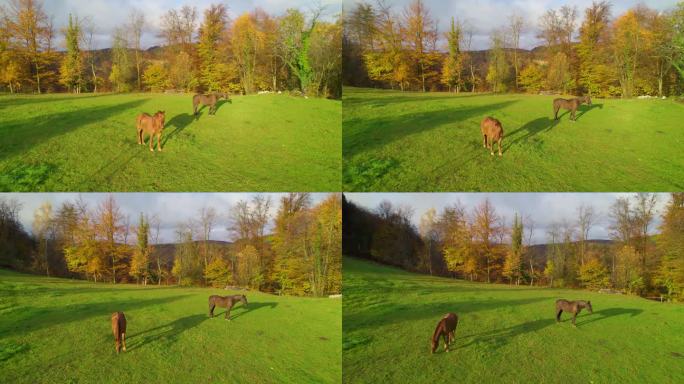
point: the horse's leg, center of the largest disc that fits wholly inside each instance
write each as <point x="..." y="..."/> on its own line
<point x="211" y="310"/>
<point x="572" y="117"/>
<point x="445" y="335"/>
<point x="558" y="315"/>
<point x="484" y="141"/>
<point x="123" y="340"/>
<point x="159" y="142"/>
<point x="555" y="112"/>
<point x="151" y="140"/>
<point x="500" y="140"/>
<point x="574" y="316"/>
<point x="228" y="307"/>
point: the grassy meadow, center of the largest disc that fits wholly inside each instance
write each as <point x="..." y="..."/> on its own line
<point x="394" y="141"/>
<point x="506" y="334"/>
<point x="88" y="143"/>
<point x="59" y="331"/>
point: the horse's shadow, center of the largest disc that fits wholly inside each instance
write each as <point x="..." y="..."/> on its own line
<point x="581" y="110"/>
<point x="179" y="122"/>
<point x="219" y="103"/>
<point x="608" y="312"/>
<point x="169" y="332"/>
<point x="587" y="109"/>
<point x="499" y="337"/>
<point x="249" y="308"/>
<point x="529" y="130"/>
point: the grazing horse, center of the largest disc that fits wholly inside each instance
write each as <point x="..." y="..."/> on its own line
<point x="152" y="125"/>
<point x="209" y="100"/>
<point x="491" y="131"/>
<point x="573" y="307"/>
<point x="446" y="328"/>
<point x="569" y="104"/>
<point x="225" y="301"/>
<point x="119" y="330"/>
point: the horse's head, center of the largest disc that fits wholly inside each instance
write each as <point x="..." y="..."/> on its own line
<point x="161" y="117"/>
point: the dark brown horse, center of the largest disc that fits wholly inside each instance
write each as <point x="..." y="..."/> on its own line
<point x="491" y="131"/>
<point x="225" y="301"/>
<point x="119" y="330"/>
<point x="446" y="328"/>
<point x="210" y="100"/>
<point x="573" y="307"/>
<point x="152" y="125"/>
<point x="569" y="104"/>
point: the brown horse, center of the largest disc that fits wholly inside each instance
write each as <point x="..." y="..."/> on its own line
<point x="569" y="104"/>
<point x="119" y="330"/>
<point x="446" y="328"/>
<point x="210" y="100"/>
<point x="225" y="301"/>
<point x="491" y="131"/>
<point x="573" y="307"/>
<point x="152" y="125"/>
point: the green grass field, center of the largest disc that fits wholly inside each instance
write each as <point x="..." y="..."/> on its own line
<point x="59" y="331"/>
<point x="88" y="143"/>
<point x="505" y="334"/>
<point x="395" y="141"/>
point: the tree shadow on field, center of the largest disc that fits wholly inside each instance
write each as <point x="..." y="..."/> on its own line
<point x="19" y="99"/>
<point x="394" y="313"/>
<point x="37" y="318"/>
<point x="179" y="122"/>
<point x="367" y="134"/>
<point x="167" y="332"/>
<point x="248" y="309"/>
<point x="19" y="136"/>
<point x="606" y="313"/>
<point x="394" y="99"/>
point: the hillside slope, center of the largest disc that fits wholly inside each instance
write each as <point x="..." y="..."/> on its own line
<point x="505" y="334"/>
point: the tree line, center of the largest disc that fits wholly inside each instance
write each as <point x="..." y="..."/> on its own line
<point x="640" y="52"/>
<point x="478" y="244"/>
<point x="296" y="252"/>
<point x="255" y="52"/>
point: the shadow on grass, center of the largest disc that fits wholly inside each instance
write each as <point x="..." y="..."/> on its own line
<point x="582" y="110"/>
<point x="499" y="337"/>
<point x="367" y="134"/>
<point x="607" y="313"/>
<point x="167" y="332"/>
<point x="16" y="100"/>
<point x="528" y="131"/>
<point x="219" y="103"/>
<point x="385" y="314"/>
<point x="179" y="122"/>
<point x="20" y="136"/>
<point x="394" y="98"/>
<point x="248" y="309"/>
<point x="31" y="319"/>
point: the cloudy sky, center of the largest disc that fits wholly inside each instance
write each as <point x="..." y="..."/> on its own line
<point x="543" y="208"/>
<point x="109" y="14"/>
<point x="171" y="208"/>
<point x="483" y="16"/>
